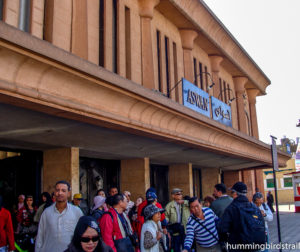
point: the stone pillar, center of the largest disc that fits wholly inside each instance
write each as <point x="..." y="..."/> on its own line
<point x="209" y="177"/>
<point x="187" y="40"/>
<point x="231" y="177"/>
<point x="135" y="176"/>
<point x="249" y="180"/>
<point x="259" y="180"/>
<point x="61" y="164"/>
<point x="79" y="29"/>
<point x="181" y="176"/>
<point x="215" y="62"/>
<point x="252" y="93"/>
<point x="11" y="12"/>
<point x="146" y="8"/>
<point x="58" y="23"/>
<point x="239" y="85"/>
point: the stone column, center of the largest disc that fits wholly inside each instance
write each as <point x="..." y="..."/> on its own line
<point x="249" y="180"/>
<point x="187" y="40"/>
<point x="209" y="177"/>
<point x="61" y="164"/>
<point x="135" y="176"/>
<point x="79" y="29"/>
<point x="252" y="93"/>
<point x="231" y="177"/>
<point x="239" y="85"/>
<point x="215" y="62"/>
<point x="181" y="176"/>
<point x="259" y="180"/>
<point x="146" y="15"/>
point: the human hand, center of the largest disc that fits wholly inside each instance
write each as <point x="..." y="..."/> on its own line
<point x="158" y="235"/>
<point x="165" y="231"/>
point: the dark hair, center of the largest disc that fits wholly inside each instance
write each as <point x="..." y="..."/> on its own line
<point x="209" y="199"/>
<point x="100" y="190"/>
<point x="192" y="200"/>
<point x="65" y="183"/>
<point x="48" y="201"/>
<point x="109" y="200"/>
<point x="186" y="197"/>
<point x="117" y="198"/>
<point x="25" y="201"/>
<point x="83" y="223"/>
<point x="221" y="188"/>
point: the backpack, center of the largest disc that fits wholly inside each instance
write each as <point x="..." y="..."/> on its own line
<point x="252" y="225"/>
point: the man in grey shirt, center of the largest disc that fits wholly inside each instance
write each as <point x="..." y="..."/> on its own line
<point x="57" y="222"/>
<point x="222" y="200"/>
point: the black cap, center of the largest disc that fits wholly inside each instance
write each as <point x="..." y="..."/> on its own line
<point x="239" y="187"/>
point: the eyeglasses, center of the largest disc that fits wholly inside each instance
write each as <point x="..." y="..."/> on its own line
<point x="88" y="239"/>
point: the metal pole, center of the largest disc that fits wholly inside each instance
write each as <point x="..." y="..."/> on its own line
<point x="275" y="168"/>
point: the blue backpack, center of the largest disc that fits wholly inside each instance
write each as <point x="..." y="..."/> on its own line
<point x="252" y="225"/>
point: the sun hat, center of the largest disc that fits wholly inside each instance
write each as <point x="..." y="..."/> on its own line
<point x="150" y="210"/>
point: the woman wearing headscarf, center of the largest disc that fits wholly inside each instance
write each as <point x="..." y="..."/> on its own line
<point x="152" y="234"/>
<point x="99" y="208"/>
<point x="87" y="238"/>
<point x="46" y="202"/>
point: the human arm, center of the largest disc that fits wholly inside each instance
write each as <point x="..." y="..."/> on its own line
<point x="41" y="233"/>
<point x="268" y="214"/>
<point x="189" y="238"/>
<point x="10" y="232"/>
<point x="149" y="240"/>
<point x="106" y="227"/>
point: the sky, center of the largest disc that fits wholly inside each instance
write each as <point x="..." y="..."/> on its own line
<point x="269" y="30"/>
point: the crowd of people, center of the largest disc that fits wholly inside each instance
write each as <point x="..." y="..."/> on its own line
<point x="114" y="223"/>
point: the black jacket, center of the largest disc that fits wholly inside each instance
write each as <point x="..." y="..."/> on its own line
<point x="102" y="247"/>
<point x="230" y="222"/>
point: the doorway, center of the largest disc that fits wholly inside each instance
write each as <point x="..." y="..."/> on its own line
<point x="159" y="179"/>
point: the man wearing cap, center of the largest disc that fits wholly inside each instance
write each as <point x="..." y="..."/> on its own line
<point x="177" y="214"/>
<point x="77" y="199"/>
<point x="231" y="220"/>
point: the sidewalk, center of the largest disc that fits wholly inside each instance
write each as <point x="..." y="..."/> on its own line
<point x="290" y="227"/>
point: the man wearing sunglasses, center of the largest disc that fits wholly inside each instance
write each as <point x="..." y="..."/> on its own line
<point x="177" y="214"/>
<point x="58" y="222"/>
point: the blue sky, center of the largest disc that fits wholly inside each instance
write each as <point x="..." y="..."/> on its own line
<point x="269" y="31"/>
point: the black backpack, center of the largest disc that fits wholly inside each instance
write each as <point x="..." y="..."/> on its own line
<point x="252" y="225"/>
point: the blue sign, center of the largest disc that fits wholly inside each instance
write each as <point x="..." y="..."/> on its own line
<point x="221" y="112"/>
<point x="195" y="98"/>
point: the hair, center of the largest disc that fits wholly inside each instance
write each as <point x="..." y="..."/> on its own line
<point x="100" y="190"/>
<point x="65" y="183"/>
<point x="257" y="195"/>
<point x="117" y="198"/>
<point x="48" y="199"/>
<point x="113" y="187"/>
<point x="192" y="200"/>
<point x="221" y="188"/>
<point x="109" y="200"/>
<point x="140" y="197"/>
<point x="25" y="202"/>
<point x="209" y="199"/>
<point x="186" y="197"/>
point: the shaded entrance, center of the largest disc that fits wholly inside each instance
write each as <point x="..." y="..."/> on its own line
<point x="20" y="174"/>
<point x="159" y="179"/>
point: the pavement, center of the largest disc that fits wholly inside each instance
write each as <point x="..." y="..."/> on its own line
<point x="290" y="228"/>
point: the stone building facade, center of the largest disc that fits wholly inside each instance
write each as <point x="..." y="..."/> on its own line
<point x="95" y="86"/>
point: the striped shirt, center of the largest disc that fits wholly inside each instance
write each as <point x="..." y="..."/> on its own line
<point x="203" y="237"/>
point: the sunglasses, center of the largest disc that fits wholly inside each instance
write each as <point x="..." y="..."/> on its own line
<point x="88" y="239"/>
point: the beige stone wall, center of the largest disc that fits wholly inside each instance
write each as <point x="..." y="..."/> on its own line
<point x="209" y="177"/>
<point x="60" y="164"/>
<point x="37" y="18"/>
<point x="11" y="12"/>
<point x="135" y="176"/>
<point x="181" y="176"/>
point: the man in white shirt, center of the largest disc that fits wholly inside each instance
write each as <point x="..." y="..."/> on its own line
<point x="57" y="222"/>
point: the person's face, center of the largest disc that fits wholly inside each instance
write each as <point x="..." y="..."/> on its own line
<point x="61" y="193"/>
<point x="44" y="198"/>
<point x="127" y="197"/>
<point x="206" y="204"/>
<point x="196" y="208"/>
<point x="156" y="217"/>
<point x="123" y="203"/>
<point x="177" y="196"/>
<point x="90" y="245"/>
<point x="113" y="191"/>
<point x="138" y="201"/>
<point x="101" y="193"/>
<point x="20" y="199"/>
<point x="29" y="201"/>
<point x="216" y="193"/>
<point x="233" y="194"/>
<point x="76" y="202"/>
<point x="259" y="201"/>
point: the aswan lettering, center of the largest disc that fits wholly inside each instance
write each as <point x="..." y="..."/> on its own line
<point x="198" y="100"/>
<point x="220" y="112"/>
